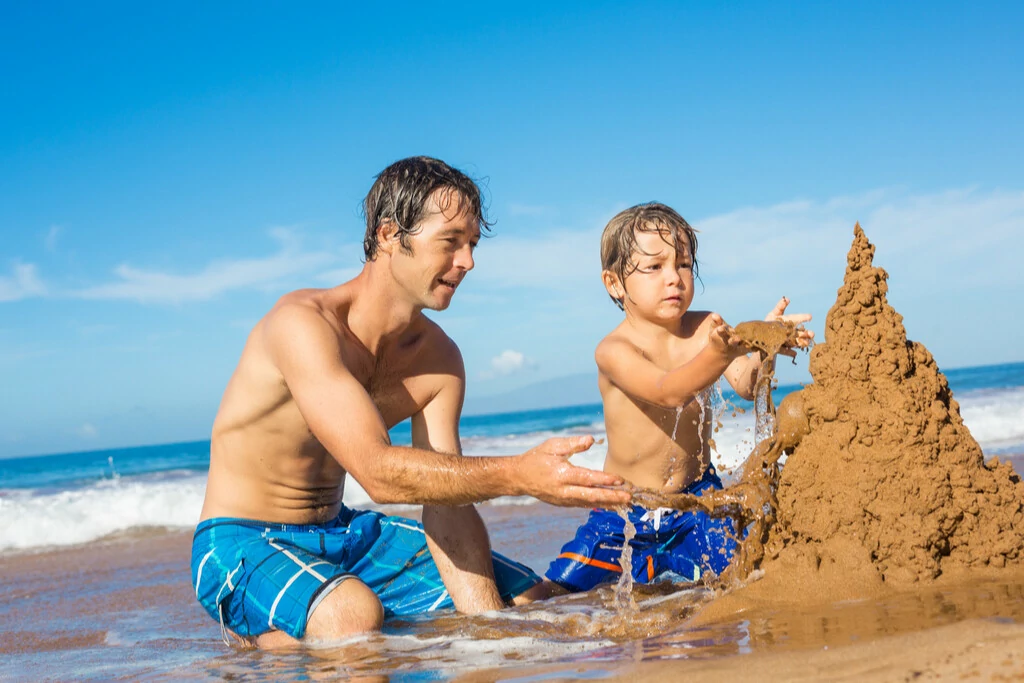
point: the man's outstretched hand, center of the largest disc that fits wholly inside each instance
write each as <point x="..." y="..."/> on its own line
<point x="545" y="473"/>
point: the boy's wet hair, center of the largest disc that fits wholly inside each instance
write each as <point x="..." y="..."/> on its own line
<point x="400" y="194"/>
<point x="618" y="241"/>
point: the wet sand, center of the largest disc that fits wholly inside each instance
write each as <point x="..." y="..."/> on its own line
<point x="122" y="609"/>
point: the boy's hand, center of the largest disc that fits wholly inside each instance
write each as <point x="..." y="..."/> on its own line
<point x="546" y="474"/>
<point x="804" y="337"/>
<point x="723" y="339"/>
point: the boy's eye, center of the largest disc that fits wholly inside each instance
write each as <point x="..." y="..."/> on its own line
<point x="686" y="266"/>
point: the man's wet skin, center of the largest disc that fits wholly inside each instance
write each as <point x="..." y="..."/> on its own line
<point x="323" y="377"/>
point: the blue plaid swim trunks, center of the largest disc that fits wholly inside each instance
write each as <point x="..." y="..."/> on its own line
<point x="254" y="576"/>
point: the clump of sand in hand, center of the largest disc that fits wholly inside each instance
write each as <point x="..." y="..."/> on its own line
<point x="887" y="485"/>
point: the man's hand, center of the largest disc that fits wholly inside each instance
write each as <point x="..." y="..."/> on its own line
<point x="804" y="337"/>
<point x="723" y="340"/>
<point x="545" y="473"/>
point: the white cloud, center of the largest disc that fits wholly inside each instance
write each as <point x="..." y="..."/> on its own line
<point x="23" y="283"/>
<point x="218" y="277"/>
<point x="508" y="362"/>
<point x="965" y="236"/>
<point x="87" y="431"/>
<point x="561" y="260"/>
<point x="806" y="241"/>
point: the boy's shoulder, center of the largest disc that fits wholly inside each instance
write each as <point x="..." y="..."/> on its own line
<point x="618" y="337"/>
<point x="693" y="321"/>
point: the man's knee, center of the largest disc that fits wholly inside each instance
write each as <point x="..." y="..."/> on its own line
<point x="350" y="608"/>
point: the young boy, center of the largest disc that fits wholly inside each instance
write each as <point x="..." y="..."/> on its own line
<point x="651" y="370"/>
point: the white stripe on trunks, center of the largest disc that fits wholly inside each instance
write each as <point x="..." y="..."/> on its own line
<point x="287" y="585"/>
<point x="296" y="560"/>
<point x="406" y="526"/>
<point x="437" y="603"/>
<point x="199" y="572"/>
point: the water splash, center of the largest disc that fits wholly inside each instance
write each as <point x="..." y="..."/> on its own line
<point x="675" y="427"/>
<point x="624" y="601"/>
<point x="114" y="474"/>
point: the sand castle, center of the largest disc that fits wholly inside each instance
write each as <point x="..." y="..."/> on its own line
<point x="883" y="484"/>
<point x="887" y="478"/>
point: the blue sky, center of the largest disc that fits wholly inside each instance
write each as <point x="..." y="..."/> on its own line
<point x="167" y="172"/>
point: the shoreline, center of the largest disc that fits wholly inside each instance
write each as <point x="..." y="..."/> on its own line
<point x="122" y="607"/>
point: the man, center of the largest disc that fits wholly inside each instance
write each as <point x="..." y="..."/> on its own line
<point x="277" y="558"/>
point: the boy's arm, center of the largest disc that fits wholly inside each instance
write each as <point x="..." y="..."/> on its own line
<point x="742" y="372"/>
<point x="456" y="535"/>
<point x="341" y="415"/>
<point x="627" y="368"/>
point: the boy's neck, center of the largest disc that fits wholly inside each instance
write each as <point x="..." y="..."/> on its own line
<point x="655" y="329"/>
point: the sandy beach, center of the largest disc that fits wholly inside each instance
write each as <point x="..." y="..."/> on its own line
<point x="122" y="609"/>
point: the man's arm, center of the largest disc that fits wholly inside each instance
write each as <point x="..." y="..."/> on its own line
<point x="341" y="415"/>
<point x="632" y="372"/>
<point x="456" y="535"/>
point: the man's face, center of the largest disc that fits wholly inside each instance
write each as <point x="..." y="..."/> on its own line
<point x="440" y="253"/>
<point x="661" y="286"/>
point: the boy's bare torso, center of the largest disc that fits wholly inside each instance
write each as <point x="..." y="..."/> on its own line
<point x="265" y="463"/>
<point x="648" y="445"/>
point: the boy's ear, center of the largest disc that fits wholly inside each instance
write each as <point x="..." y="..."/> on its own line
<point x="612" y="284"/>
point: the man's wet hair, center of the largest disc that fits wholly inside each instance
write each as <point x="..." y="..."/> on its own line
<point x="618" y="241"/>
<point x="401" y="193"/>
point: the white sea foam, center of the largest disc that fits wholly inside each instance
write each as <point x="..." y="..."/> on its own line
<point x="34" y="518"/>
<point x="995" y="418"/>
<point x="29" y="519"/>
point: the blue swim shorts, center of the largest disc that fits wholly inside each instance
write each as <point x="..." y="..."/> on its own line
<point x="255" y="576"/>
<point x="668" y="544"/>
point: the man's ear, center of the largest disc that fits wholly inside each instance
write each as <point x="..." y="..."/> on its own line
<point x="613" y="285"/>
<point x="387" y="236"/>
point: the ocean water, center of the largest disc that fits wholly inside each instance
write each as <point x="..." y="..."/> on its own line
<point x="74" y="498"/>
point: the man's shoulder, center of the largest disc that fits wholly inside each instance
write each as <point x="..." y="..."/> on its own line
<point x="295" y="312"/>
<point x="299" y="324"/>
<point x="439" y="347"/>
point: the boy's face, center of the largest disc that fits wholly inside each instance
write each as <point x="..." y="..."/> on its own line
<point x="440" y="254"/>
<point x="660" y="286"/>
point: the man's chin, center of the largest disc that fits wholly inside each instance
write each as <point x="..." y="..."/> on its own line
<point x="439" y="304"/>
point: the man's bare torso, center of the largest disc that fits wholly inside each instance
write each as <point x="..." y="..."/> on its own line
<point x="650" y="445"/>
<point x="265" y="463"/>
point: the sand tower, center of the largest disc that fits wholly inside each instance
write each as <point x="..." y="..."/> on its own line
<point x="888" y="485"/>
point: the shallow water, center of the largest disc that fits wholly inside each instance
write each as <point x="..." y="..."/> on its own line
<point x="122" y="609"/>
<point x="587" y="631"/>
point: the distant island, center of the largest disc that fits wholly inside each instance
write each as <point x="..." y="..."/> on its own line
<point x="570" y="390"/>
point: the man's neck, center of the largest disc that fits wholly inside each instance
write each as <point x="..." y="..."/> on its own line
<point x="379" y="311"/>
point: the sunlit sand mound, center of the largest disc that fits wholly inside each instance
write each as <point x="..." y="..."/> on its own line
<point x="887" y="485"/>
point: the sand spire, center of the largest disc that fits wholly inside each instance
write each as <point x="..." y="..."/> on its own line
<point x="888" y="483"/>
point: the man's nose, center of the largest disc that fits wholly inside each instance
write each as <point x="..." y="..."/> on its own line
<point x="464" y="258"/>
